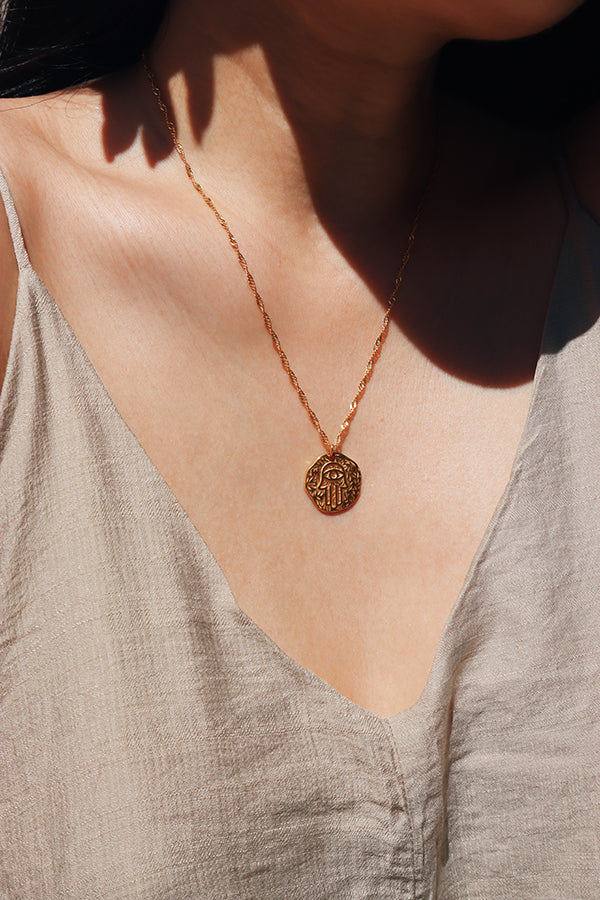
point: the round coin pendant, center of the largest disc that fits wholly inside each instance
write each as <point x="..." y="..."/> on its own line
<point x="333" y="484"/>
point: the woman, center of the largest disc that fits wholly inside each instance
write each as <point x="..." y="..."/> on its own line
<point x="305" y="709"/>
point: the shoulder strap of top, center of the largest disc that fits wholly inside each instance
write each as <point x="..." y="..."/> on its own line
<point x="14" y="224"/>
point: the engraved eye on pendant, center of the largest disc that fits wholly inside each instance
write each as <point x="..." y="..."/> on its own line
<point x="333" y="484"/>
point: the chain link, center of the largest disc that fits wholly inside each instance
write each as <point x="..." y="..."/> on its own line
<point x="330" y="447"/>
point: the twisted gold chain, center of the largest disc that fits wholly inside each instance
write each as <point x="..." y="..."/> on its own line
<point x="330" y="447"/>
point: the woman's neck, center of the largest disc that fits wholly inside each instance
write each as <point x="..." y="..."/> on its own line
<point x="324" y="107"/>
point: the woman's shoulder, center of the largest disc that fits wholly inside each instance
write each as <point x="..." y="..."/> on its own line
<point x="15" y="129"/>
<point x="8" y="291"/>
<point x="27" y="126"/>
<point x="34" y="147"/>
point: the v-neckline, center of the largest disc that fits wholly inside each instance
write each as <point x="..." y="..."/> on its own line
<point x="417" y="709"/>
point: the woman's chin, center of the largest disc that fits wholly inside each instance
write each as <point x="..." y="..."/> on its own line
<point x="501" y="20"/>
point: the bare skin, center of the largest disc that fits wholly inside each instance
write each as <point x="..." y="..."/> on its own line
<point x="315" y="142"/>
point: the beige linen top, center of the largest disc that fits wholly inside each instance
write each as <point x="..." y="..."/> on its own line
<point x="155" y="743"/>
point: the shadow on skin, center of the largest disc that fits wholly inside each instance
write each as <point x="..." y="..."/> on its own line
<point x="468" y="302"/>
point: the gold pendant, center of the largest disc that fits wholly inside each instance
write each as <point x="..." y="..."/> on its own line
<point x="333" y="485"/>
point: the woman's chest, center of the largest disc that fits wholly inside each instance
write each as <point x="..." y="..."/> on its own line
<point x="359" y="598"/>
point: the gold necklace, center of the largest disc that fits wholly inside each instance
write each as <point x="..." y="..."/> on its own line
<point x="333" y="481"/>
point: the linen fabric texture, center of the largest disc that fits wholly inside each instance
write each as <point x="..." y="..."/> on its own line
<point x="155" y="743"/>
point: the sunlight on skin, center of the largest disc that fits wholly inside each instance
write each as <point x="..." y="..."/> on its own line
<point x="312" y="123"/>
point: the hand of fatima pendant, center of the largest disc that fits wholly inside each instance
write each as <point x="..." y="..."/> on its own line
<point x="333" y="483"/>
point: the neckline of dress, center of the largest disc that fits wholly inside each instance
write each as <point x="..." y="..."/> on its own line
<point x="422" y="704"/>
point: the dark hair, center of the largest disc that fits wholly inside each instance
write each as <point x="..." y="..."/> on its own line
<point x="47" y="45"/>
